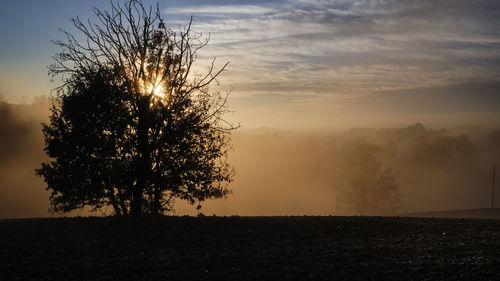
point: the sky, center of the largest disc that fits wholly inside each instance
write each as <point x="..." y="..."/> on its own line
<point x="306" y="64"/>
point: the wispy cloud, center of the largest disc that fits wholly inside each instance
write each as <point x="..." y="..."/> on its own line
<point x="221" y="10"/>
<point x="330" y="48"/>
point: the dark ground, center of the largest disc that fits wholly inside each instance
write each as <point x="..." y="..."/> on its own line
<point x="250" y="248"/>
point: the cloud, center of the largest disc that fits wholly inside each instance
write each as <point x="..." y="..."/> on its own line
<point x="220" y="10"/>
<point x="459" y="98"/>
<point x="268" y="100"/>
<point x="440" y="41"/>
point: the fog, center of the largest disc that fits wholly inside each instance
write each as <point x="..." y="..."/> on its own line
<point x="289" y="172"/>
<point x="285" y="173"/>
<point x="22" y="193"/>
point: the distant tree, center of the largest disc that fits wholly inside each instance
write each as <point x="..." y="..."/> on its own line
<point x="363" y="186"/>
<point x="133" y="126"/>
<point x="444" y="151"/>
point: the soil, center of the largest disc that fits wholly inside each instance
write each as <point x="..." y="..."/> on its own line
<point x="250" y="248"/>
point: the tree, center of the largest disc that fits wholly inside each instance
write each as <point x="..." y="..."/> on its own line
<point x="364" y="187"/>
<point x="133" y="126"/>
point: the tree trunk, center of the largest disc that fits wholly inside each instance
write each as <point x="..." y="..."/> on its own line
<point x="156" y="210"/>
<point x="113" y="202"/>
<point x="136" y="205"/>
<point x="121" y="200"/>
<point x="144" y="160"/>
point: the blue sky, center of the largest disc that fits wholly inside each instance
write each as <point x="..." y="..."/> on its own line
<point x="306" y="63"/>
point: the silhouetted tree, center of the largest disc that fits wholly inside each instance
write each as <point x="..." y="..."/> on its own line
<point x="132" y="126"/>
<point x="363" y="186"/>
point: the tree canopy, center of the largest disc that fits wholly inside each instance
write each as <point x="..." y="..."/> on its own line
<point x="364" y="186"/>
<point x="133" y="126"/>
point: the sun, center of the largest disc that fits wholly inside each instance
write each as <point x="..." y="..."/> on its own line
<point x="156" y="90"/>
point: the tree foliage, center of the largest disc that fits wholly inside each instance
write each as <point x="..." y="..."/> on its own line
<point x="364" y="186"/>
<point x="133" y="126"/>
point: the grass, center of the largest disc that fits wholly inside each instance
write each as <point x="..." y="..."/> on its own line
<point x="250" y="248"/>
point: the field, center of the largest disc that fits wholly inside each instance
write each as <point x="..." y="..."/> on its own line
<point x="250" y="248"/>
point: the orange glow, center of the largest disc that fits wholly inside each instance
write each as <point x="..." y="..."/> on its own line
<point x="156" y="90"/>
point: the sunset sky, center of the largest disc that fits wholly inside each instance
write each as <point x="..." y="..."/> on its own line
<point x="305" y="63"/>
